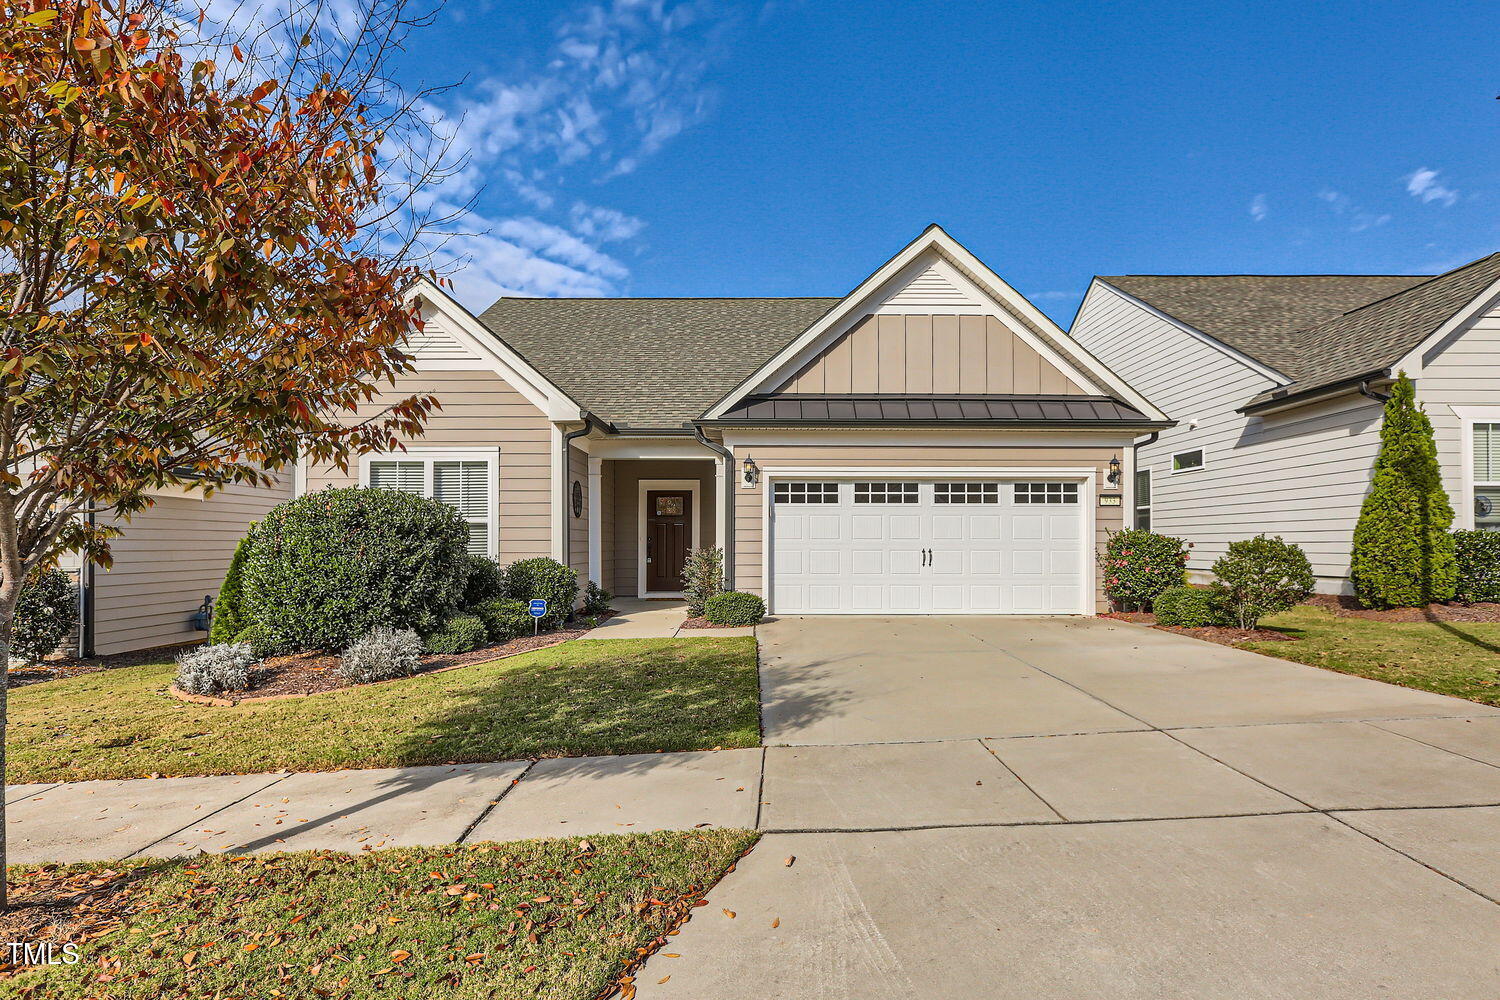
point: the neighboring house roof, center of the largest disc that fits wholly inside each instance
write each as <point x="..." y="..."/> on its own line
<point x="1370" y="340"/>
<point x="1264" y="316"/>
<point x="1018" y="411"/>
<point x="650" y="363"/>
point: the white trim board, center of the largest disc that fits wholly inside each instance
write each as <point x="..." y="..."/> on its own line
<point x="643" y="486"/>
<point x="1415" y="359"/>
<point x="1011" y="309"/>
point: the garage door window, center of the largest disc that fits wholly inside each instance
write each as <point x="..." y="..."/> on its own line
<point x="965" y="492"/>
<point x="1046" y="493"/>
<point x="805" y="492"/>
<point x="885" y="492"/>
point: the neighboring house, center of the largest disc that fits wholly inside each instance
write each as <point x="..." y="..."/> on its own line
<point x="167" y="559"/>
<point x="1275" y="384"/>
<point x="928" y="443"/>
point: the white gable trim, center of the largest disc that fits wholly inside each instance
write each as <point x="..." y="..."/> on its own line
<point x="1194" y="332"/>
<point x="1416" y="359"/>
<point x="490" y="354"/>
<point x="1068" y="357"/>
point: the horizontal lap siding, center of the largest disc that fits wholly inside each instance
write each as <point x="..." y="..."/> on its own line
<point x="169" y="558"/>
<point x="480" y="410"/>
<point x="1302" y="474"/>
<point x="625" y="478"/>
<point x="749" y="504"/>
<point x="1460" y="372"/>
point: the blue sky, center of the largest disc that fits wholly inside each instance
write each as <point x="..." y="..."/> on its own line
<point x="786" y="148"/>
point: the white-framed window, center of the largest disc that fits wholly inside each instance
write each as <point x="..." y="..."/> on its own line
<point x="965" y="492"/>
<point x="1046" y="492"/>
<point x="791" y="492"/>
<point x="1486" y="475"/>
<point x="467" y="481"/>
<point x="1143" y="499"/>
<point x="885" y="492"/>
<point x="1187" y="461"/>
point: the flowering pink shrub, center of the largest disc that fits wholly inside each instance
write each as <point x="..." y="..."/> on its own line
<point x="1139" y="564"/>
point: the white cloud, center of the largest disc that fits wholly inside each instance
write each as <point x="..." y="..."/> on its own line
<point x="1258" y="207"/>
<point x="623" y="78"/>
<point x="1423" y="183"/>
<point x="1359" y="219"/>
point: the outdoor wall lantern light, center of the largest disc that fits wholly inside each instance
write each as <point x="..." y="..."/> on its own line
<point x="751" y="471"/>
<point x="1114" y="471"/>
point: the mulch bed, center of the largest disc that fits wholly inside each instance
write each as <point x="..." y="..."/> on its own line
<point x="58" y="667"/>
<point x="1209" y="633"/>
<point x="56" y="906"/>
<point x="1345" y="606"/>
<point x="705" y="623"/>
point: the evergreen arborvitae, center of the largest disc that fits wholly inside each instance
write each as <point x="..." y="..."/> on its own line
<point x="229" y="610"/>
<point x="1403" y="552"/>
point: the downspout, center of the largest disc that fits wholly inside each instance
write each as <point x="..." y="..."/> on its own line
<point x="1135" y="468"/>
<point x="726" y="544"/>
<point x="1375" y="394"/>
<point x="567" y="501"/>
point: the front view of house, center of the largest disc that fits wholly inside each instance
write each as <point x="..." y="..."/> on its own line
<point x="929" y="443"/>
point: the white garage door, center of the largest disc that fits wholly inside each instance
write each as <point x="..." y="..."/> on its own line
<point x="910" y="546"/>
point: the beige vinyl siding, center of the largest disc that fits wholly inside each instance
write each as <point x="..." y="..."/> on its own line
<point x="749" y="502"/>
<point x="169" y="557"/>
<point x="1464" y="370"/>
<point x="625" y="477"/>
<point x="931" y="354"/>
<point x="1302" y="473"/>
<point x="578" y="527"/>
<point x="480" y="410"/>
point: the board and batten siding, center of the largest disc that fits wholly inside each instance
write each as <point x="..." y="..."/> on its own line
<point x="930" y="354"/>
<point x="749" y="502"/>
<point x="168" y="558"/>
<point x="1301" y="473"/>
<point x="1462" y="371"/>
<point x="479" y="410"/>
<point x="622" y="557"/>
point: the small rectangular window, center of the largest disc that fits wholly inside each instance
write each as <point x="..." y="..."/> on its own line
<point x="1187" y="461"/>
<point x="885" y="492"/>
<point x="1046" y="493"/>
<point x="965" y="492"/>
<point x="1486" y="483"/>
<point x="1143" y="499"/>
<point x="805" y="492"/>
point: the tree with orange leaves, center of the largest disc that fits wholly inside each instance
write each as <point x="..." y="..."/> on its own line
<point x="202" y="257"/>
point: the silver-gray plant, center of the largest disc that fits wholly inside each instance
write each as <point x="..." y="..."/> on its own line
<point x="215" y="669"/>
<point x="380" y="654"/>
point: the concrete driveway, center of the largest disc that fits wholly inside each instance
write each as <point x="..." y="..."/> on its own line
<point x="1078" y="808"/>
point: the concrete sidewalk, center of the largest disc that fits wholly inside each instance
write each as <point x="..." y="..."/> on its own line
<point x="652" y="619"/>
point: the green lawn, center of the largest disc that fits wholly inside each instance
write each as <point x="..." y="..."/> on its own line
<point x="590" y="696"/>
<point x="561" y="919"/>
<point x="1456" y="658"/>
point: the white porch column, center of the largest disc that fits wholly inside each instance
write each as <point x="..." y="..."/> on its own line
<point x="558" y="484"/>
<point x="596" y="519"/>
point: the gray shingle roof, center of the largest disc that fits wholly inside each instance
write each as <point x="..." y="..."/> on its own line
<point x="1376" y="336"/>
<point x="1261" y="315"/>
<point x="650" y="362"/>
<point x="1090" y="411"/>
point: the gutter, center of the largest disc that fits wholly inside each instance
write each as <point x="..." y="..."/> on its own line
<point x="1356" y="383"/>
<point x="726" y="545"/>
<point x="1056" y="425"/>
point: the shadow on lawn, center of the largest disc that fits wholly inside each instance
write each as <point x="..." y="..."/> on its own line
<point x="1460" y="634"/>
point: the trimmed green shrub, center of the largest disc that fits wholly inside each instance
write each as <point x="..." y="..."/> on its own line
<point x="1140" y="564"/>
<point x="1261" y="576"/>
<point x="485" y="582"/>
<point x="260" y="640"/>
<point x="1477" y="557"/>
<point x="229" y="610"/>
<point x="702" y="578"/>
<point x="328" y="567"/>
<point x="380" y="655"/>
<point x="544" y="579"/>
<point x="504" y="620"/>
<point x="1403" y="554"/>
<point x="734" y="607"/>
<point x="1189" y="607"/>
<point x="457" y="634"/>
<point x="595" y="599"/>
<point x="46" y="611"/>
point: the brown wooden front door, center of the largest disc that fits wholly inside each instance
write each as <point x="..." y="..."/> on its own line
<point x="669" y="536"/>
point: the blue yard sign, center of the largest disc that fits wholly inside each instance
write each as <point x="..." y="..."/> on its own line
<point x="538" y="609"/>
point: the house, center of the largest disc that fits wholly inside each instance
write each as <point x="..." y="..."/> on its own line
<point x="1275" y="384"/>
<point x="166" y="560"/>
<point x="928" y="443"/>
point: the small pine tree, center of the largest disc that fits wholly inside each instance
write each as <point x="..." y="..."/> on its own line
<point x="1403" y="553"/>
<point x="230" y="614"/>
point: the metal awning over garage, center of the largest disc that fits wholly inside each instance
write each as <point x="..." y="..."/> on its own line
<point x="997" y="411"/>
